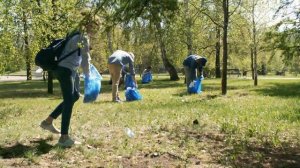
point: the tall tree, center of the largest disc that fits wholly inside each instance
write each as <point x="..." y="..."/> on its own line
<point x="225" y="45"/>
<point x="213" y="10"/>
<point x="54" y="18"/>
<point x="11" y="39"/>
<point x="157" y="13"/>
<point x="226" y="17"/>
<point x="25" y="16"/>
<point x="254" y="43"/>
<point x="188" y="24"/>
<point x="218" y="39"/>
<point x="257" y="12"/>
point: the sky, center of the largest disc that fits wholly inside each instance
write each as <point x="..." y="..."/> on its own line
<point x="287" y="12"/>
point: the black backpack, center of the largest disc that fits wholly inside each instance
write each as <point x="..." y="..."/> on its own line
<point x="48" y="58"/>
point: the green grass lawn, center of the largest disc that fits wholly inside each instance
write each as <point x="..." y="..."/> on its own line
<point x="249" y="127"/>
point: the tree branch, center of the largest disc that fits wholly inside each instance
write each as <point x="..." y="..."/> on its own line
<point x="210" y="17"/>
<point x="216" y="23"/>
<point x="235" y="8"/>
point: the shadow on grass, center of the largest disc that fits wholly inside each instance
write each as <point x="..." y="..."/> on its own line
<point x="25" y="89"/>
<point x="32" y="89"/>
<point x="287" y="90"/>
<point x="262" y="156"/>
<point x="239" y="153"/>
<point x="37" y="147"/>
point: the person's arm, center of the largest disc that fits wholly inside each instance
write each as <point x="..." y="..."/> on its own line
<point x="85" y="53"/>
<point x="200" y="68"/>
<point x="132" y="72"/>
<point x="131" y="68"/>
<point x="145" y="70"/>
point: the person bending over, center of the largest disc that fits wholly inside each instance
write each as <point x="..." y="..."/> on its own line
<point x="191" y="64"/>
<point x="116" y="61"/>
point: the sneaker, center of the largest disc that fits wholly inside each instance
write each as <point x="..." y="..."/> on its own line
<point x="67" y="143"/>
<point x="49" y="127"/>
<point x="118" y="101"/>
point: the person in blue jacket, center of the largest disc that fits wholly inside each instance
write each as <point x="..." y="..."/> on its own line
<point x="191" y="64"/>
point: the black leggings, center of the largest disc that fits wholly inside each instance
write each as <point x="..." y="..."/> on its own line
<point x="70" y="96"/>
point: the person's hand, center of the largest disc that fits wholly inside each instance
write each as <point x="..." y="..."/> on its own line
<point x="201" y="77"/>
<point x="86" y="76"/>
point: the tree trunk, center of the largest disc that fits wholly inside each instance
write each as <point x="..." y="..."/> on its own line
<point x="50" y="73"/>
<point x="27" y="51"/>
<point x="218" y="52"/>
<point x="255" y="66"/>
<point x="169" y="67"/>
<point x="109" y="40"/>
<point x="188" y="28"/>
<point x="254" y="34"/>
<point x="50" y="82"/>
<point x="225" y="52"/>
<point x="252" y="62"/>
<point x="38" y="2"/>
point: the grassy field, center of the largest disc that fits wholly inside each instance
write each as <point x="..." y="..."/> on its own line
<point x="249" y="127"/>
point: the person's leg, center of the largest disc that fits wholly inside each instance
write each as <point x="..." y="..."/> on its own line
<point x="70" y="96"/>
<point x="57" y="111"/>
<point x="47" y="124"/>
<point x="62" y="76"/>
<point x="193" y="74"/>
<point x="188" y="75"/>
<point x="115" y="72"/>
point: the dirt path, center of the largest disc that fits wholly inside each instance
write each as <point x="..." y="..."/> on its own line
<point x="16" y="78"/>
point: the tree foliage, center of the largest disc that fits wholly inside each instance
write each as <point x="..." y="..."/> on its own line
<point x="282" y="39"/>
<point x="160" y="33"/>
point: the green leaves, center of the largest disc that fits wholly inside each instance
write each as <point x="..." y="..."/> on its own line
<point x="26" y="26"/>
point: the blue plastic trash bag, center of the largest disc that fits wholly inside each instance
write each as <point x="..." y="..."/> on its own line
<point x="129" y="81"/>
<point x="132" y="94"/>
<point x="195" y="86"/>
<point x="147" y="77"/>
<point x="92" y="85"/>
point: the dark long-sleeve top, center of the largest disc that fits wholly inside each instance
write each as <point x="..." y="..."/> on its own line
<point x="191" y="62"/>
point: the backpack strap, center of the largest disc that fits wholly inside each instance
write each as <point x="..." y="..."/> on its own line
<point x="68" y="37"/>
<point x="67" y="55"/>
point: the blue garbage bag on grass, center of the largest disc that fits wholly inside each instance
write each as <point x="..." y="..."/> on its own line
<point x="129" y="81"/>
<point x="132" y="94"/>
<point x="92" y="85"/>
<point x="146" y="78"/>
<point x="195" y="86"/>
